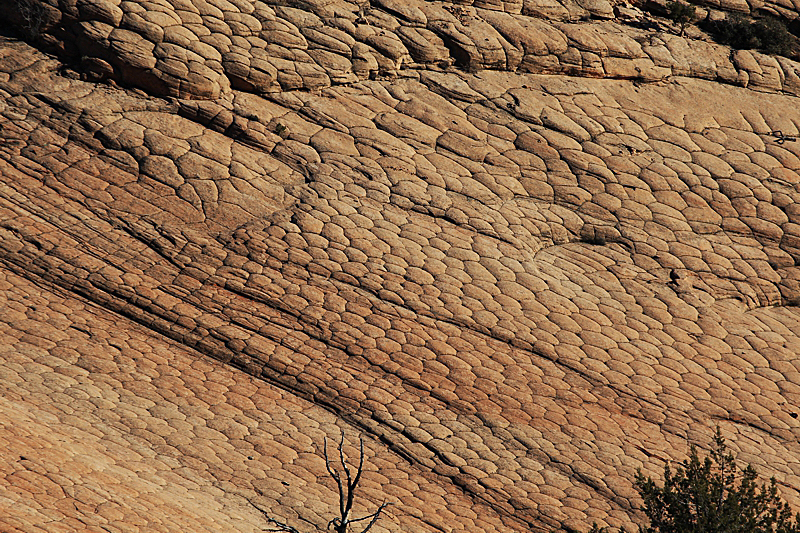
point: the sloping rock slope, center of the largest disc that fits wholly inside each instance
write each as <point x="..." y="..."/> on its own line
<point x="521" y="248"/>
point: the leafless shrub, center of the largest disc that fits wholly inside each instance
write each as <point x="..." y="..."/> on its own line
<point x="346" y="482"/>
<point x="347" y="488"/>
<point x="32" y="16"/>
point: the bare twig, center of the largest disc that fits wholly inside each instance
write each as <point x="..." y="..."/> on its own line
<point x="374" y="516"/>
<point x="32" y="13"/>
<point x="347" y="489"/>
<point x="280" y="526"/>
<point x="781" y="138"/>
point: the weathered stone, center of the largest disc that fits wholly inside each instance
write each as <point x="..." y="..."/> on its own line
<point x="495" y="272"/>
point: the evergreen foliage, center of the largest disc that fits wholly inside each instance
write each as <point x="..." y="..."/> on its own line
<point x="712" y="495"/>
<point x="769" y="35"/>
<point x="682" y="14"/>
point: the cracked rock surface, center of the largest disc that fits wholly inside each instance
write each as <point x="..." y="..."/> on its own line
<point x="521" y="248"/>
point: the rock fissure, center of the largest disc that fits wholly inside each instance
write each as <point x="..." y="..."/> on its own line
<point x="524" y="279"/>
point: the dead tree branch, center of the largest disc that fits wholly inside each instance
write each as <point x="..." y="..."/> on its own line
<point x="32" y="14"/>
<point x="279" y="526"/>
<point x="347" y="489"/>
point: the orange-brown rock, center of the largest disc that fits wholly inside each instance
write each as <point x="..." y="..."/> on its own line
<point x="521" y="248"/>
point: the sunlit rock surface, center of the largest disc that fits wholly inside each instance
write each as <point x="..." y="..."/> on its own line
<point x="521" y="248"/>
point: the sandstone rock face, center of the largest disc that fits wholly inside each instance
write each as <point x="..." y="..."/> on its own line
<point x="520" y="253"/>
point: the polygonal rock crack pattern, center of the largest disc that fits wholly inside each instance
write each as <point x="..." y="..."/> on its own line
<point x="208" y="49"/>
<point x="519" y="288"/>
